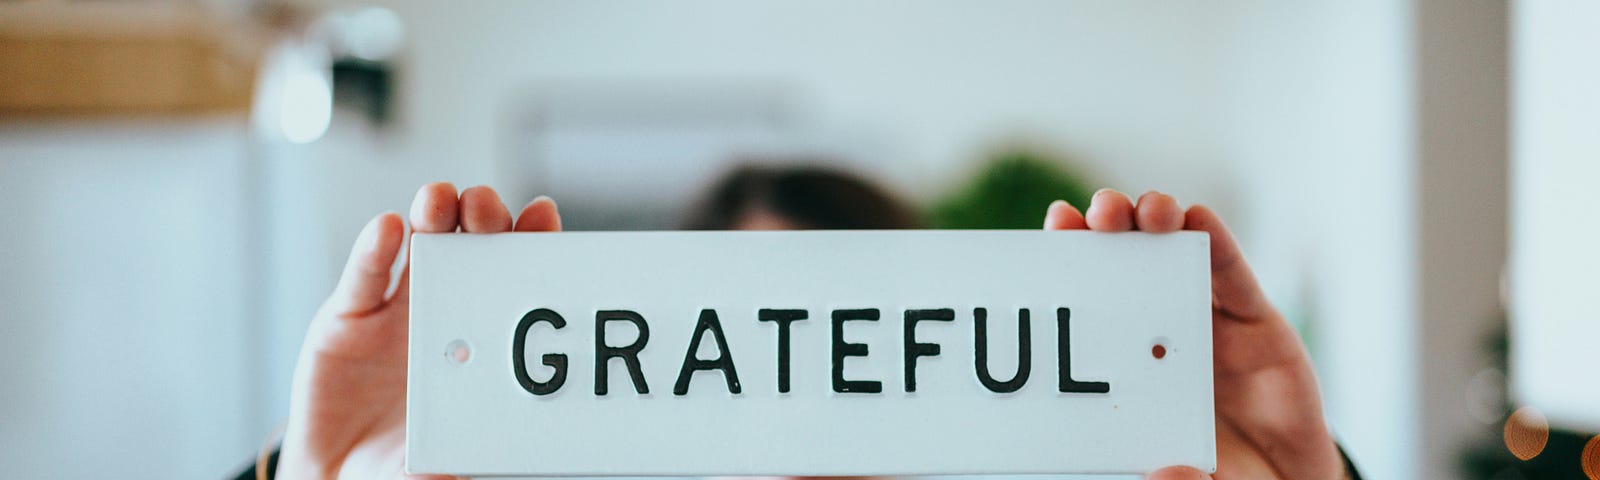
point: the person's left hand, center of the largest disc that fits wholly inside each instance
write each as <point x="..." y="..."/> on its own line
<point x="347" y="407"/>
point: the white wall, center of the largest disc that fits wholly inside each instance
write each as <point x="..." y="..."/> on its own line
<point x="1556" y="163"/>
<point x="122" y="301"/>
<point x="1320" y="129"/>
<point x="1125" y="84"/>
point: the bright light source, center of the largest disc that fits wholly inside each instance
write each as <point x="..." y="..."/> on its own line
<point x="294" y="95"/>
<point x="307" y="106"/>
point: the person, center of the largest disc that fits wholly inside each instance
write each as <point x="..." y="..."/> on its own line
<point x="752" y="197"/>
<point x="347" y="406"/>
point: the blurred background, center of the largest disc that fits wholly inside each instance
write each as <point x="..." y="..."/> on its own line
<point x="1415" y="181"/>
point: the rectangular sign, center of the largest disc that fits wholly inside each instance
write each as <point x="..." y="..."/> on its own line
<point x="809" y="353"/>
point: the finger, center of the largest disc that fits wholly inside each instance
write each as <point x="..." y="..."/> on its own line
<point x="1158" y="213"/>
<point x="1178" y="473"/>
<point x="1062" y="216"/>
<point x="366" y="273"/>
<point x="1233" y="285"/>
<point x="1110" y="211"/>
<point x="1237" y="457"/>
<point x="483" y="212"/>
<point x="435" y="209"/>
<point x="540" y="215"/>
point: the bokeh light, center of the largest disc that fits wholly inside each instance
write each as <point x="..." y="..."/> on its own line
<point x="1527" y="432"/>
<point x="1591" y="458"/>
<point x="307" y="106"/>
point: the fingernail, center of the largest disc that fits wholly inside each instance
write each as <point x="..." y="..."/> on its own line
<point x="1110" y="191"/>
<point x="367" y="240"/>
<point x="416" y="207"/>
<point x="538" y="199"/>
<point x="1053" y="210"/>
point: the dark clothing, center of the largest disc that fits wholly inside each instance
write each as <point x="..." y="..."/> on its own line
<point x="1349" y="466"/>
<point x="249" y="473"/>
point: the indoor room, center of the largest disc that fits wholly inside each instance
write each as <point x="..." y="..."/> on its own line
<point x="197" y="194"/>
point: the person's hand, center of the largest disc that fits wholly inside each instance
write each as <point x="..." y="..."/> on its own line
<point x="1269" y="414"/>
<point x="347" y="407"/>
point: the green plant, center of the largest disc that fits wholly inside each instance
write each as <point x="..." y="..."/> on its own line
<point x="1010" y="191"/>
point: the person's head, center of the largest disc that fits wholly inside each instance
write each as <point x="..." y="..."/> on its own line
<point x="754" y="197"/>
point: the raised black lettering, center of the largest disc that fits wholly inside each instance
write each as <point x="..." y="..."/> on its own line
<point x="724" y="360"/>
<point x="914" y="349"/>
<point x="629" y="353"/>
<point x="783" y="318"/>
<point x="843" y="349"/>
<point x="980" y="319"/>
<point x="519" y="347"/>
<point x="1064" y="358"/>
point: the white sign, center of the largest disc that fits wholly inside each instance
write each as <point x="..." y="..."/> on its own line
<point x="809" y="353"/>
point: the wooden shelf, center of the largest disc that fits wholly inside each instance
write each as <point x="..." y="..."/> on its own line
<point x="72" y="58"/>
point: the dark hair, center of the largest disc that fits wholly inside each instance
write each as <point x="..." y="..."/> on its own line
<point x="810" y="197"/>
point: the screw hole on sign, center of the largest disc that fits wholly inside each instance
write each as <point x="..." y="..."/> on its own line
<point x="458" y="352"/>
<point x="1158" y="348"/>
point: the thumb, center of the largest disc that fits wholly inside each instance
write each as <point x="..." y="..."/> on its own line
<point x="1233" y="285"/>
<point x="366" y="273"/>
<point x="1178" y="473"/>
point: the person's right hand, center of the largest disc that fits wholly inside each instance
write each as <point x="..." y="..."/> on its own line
<point x="1268" y="411"/>
<point x="347" y="405"/>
